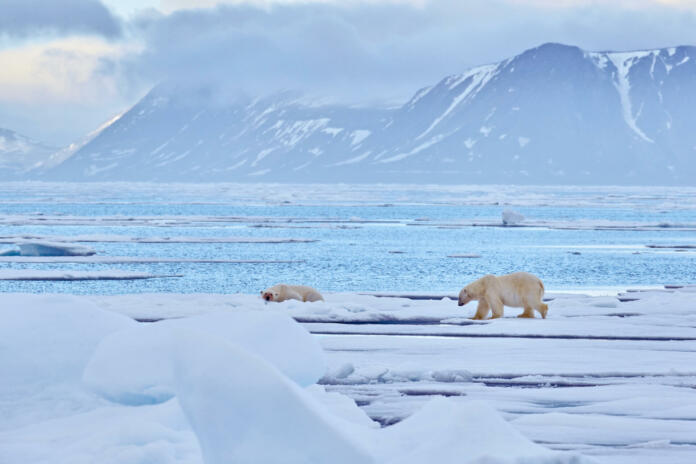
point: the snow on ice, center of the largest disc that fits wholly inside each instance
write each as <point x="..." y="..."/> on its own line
<point x="84" y="384"/>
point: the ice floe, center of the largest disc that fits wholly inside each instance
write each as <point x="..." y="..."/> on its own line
<point x="44" y="248"/>
<point x="58" y="248"/>
<point x="67" y="275"/>
<point x="137" y="260"/>
<point x="209" y="390"/>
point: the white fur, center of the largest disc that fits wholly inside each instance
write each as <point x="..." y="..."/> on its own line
<point x="282" y="292"/>
<point x="518" y="290"/>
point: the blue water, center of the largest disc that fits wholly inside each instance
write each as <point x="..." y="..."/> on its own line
<point x="356" y="258"/>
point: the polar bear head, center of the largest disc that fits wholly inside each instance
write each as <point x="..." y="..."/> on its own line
<point x="475" y="290"/>
<point x="464" y="297"/>
<point x="273" y="293"/>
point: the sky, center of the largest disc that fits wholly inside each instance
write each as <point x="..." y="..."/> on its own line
<point x="67" y="66"/>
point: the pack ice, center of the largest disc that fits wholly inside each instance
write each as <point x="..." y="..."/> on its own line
<point x="84" y="385"/>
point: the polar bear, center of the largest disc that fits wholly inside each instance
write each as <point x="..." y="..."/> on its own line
<point x="519" y="290"/>
<point x="282" y="292"/>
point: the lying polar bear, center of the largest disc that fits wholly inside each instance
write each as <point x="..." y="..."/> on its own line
<point x="282" y="292"/>
<point x="519" y="290"/>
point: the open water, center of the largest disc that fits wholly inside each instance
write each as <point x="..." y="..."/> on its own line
<point x="365" y="238"/>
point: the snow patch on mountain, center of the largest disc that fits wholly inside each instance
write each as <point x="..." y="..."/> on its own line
<point x="623" y="63"/>
<point x="476" y="78"/>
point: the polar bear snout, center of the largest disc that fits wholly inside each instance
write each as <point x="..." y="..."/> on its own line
<point x="464" y="298"/>
<point x="268" y="296"/>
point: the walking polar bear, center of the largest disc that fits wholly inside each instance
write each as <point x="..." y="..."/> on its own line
<point x="518" y="290"/>
<point x="282" y="292"/>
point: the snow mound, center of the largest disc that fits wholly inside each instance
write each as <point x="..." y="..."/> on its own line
<point x="53" y="249"/>
<point x="511" y="218"/>
<point x="342" y="407"/>
<point x="157" y="434"/>
<point x="241" y="407"/>
<point x="451" y="431"/>
<point x="49" y="338"/>
<point x="273" y="335"/>
<point x="45" y="343"/>
<point x="232" y="384"/>
<point x="134" y="367"/>
<point x="244" y="410"/>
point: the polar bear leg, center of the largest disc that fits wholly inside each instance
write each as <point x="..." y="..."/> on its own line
<point x="528" y="312"/>
<point x="542" y="308"/>
<point x="481" y="310"/>
<point x="312" y="296"/>
<point x="497" y="307"/>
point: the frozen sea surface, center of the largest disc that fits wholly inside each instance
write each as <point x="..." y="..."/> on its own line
<point x="232" y="238"/>
<point x="603" y="379"/>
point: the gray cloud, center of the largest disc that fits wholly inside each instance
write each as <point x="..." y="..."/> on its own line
<point x="24" y="18"/>
<point x="358" y="52"/>
<point x="366" y="51"/>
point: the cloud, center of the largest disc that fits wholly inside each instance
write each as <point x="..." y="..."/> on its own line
<point x="362" y="50"/>
<point x="27" y="18"/>
<point x="57" y="91"/>
<point x="62" y="71"/>
<point x="350" y="50"/>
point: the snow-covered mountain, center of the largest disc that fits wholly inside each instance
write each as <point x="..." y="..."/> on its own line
<point x="553" y="114"/>
<point x="19" y="154"/>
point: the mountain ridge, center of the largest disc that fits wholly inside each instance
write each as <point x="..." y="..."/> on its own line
<point x="20" y="154"/>
<point x="551" y="114"/>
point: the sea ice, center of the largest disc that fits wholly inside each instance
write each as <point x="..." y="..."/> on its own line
<point x="221" y="392"/>
<point x="52" y="274"/>
<point x="37" y="248"/>
<point x="45" y="343"/>
<point x="242" y="408"/>
<point x="113" y="373"/>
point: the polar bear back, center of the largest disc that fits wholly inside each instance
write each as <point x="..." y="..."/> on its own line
<point x="282" y="292"/>
<point x="520" y="289"/>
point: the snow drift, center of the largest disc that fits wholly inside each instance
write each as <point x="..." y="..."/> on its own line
<point x="224" y="388"/>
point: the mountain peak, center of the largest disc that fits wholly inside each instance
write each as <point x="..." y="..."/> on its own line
<point x="553" y="114"/>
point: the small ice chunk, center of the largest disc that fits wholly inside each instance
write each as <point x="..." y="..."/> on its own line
<point x="342" y="371"/>
<point x="53" y="249"/>
<point x="452" y="375"/>
<point x="511" y="217"/>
